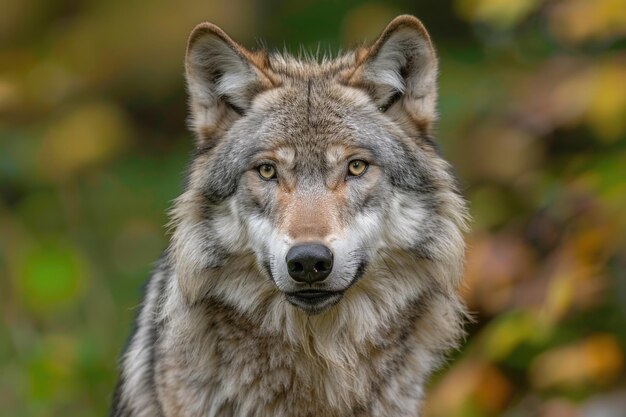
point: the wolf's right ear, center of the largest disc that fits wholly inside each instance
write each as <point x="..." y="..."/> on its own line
<point x="222" y="78"/>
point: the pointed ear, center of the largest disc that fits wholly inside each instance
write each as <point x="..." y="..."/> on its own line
<point x="400" y="67"/>
<point x="222" y="79"/>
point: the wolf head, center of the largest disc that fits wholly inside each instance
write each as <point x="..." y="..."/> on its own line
<point x="316" y="181"/>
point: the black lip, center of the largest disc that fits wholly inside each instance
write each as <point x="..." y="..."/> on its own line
<point x="312" y="295"/>
<point x="314" y="301"/>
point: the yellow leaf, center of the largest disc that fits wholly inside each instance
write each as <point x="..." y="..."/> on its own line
<point x="559" y="297"/>
<point x="506" y="333"/>
<point x="83" y="137"/>
<point x="580" y="20"/>
<point x="597" y="359"/>
<point x="606" y="113"/>
<point x="501" y="14"/>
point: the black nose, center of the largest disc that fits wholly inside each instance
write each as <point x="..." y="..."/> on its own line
<point x="309" y="262"/>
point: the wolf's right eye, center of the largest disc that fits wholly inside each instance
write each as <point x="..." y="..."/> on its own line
<point x="267" y="171"/>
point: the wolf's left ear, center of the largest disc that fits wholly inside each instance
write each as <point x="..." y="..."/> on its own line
<point x="222" y="78"/>
<point x="401" y="66"/>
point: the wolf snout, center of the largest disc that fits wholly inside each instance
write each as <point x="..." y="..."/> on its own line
<point x="309" y="262"/>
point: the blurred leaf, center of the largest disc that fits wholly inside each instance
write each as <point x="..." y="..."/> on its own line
<point x="607" y="105"/>
<point x="506" y="333"/>
<point x="495" y="264"/>
<point x="87" y="135"/>
<point x="140" y="44"/>
<point x="8" y="94"/>
<point x="597" y="359"/>
<point x="504" y="152"/>
<point x="489" y="207"/>
<point x="51" y="368"/>
<point x="50" y="275"/>
<point x="581" y="20"/>
<point x="556" y="95"/>
<point x="366" y="21"/>
<point x="567" y="92"/>
<point x="472" y="385"/>
<point x="500" y="14"/>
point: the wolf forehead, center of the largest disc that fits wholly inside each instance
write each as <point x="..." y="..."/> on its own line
<point x="312" y="117"/>
<point x="313" y="108"/>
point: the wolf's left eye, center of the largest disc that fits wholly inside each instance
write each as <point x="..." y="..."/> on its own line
<point x="267" y="171"/>
<point x="356" y="168"/>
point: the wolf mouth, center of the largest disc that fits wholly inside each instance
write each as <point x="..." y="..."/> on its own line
<point x="314" y="301"/>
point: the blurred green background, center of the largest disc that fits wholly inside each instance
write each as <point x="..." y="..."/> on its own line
<point x="93" y="147"/>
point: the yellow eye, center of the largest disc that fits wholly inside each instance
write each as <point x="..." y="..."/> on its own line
<point x="357" y="167"/>
<point x="267" y="171"/>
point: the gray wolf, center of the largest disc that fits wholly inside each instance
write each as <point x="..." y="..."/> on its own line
<point x="318" y="244"/>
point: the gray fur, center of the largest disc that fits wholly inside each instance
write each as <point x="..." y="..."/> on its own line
<point x="216" y="336"/>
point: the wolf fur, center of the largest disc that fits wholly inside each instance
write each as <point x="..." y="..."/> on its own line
<point x="217" y="334"/>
